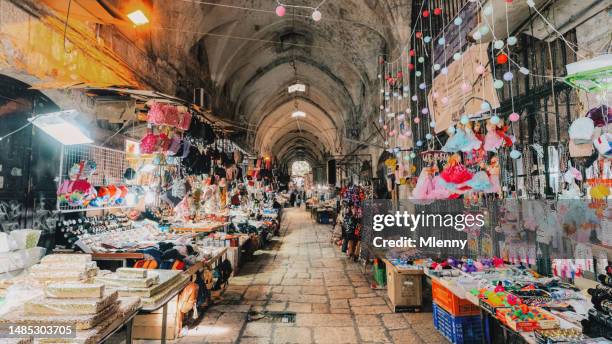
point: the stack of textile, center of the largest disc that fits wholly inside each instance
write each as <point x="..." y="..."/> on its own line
<point x="64" y="268"/>
<point x="152" y="286"/>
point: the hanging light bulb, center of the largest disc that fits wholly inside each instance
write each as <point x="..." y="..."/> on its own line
<point x="280" y="10"/>
<point x="316" y="15"/>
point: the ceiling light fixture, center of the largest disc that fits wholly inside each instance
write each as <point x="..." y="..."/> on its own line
<point x="138" y="17"/>
<point x="298" y="114"/>
<point x="59" y="126"/>
<point x="296" y="88"/>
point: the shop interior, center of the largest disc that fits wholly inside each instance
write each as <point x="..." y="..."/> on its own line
<point x="240" y="171"/>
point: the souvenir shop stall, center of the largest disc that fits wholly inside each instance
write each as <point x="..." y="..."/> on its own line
<point x="537" y="165"/>
<point x="145" y="234"/>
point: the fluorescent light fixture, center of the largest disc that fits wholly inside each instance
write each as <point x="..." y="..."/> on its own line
<point x="138" y="17"/>
<point x="298" y="113"/>
<point x="297" y="88"/>
<point x="59" y="126"/>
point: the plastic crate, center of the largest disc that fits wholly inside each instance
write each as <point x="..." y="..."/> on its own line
<point x="452" y="303"/>
<point x="458" y="330"/>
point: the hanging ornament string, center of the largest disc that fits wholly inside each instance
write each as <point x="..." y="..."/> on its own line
<point x="281" y="9"/>
<point x="532" y="5"/>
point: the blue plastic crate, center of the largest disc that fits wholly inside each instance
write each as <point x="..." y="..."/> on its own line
<point x="458" y="330"/>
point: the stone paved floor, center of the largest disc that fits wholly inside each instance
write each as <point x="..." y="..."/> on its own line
<point x="302" y="272"/>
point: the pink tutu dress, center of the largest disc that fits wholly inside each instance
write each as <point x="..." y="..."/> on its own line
<point x="424" y="185"/>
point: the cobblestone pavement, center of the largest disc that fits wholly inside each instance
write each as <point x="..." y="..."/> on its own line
<point x="302" y="272"/>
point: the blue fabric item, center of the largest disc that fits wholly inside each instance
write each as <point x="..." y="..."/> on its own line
<point x="456" y="142"/>
<point x="480" y="181"/>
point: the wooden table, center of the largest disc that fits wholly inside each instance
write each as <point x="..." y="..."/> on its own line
<point x="117" y="256"/>
<point x="199" y="229"/>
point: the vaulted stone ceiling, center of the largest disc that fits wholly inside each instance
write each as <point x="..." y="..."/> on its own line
<point x="248" y="58"/>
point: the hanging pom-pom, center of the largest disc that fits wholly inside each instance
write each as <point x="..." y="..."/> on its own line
<point x="502" y="58"/>
<point x="280" y="10"/>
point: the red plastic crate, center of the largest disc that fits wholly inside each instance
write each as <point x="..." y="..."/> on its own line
<point x="450" y="302"/>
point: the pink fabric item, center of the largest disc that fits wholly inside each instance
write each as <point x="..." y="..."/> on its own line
<point x="171" y="116"/>
<point x="156" y="114"/>
<point x="185" y="120"/>
<point x="148" y="144"/>
<point x="457" y="174"/>
<point x="420" y="193"/>
<point x="439" y="191"/>
<point x="493" y="141"/>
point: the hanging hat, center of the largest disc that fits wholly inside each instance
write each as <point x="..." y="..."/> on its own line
<point x="600" y="115"/>
<point x="581" y="130"/>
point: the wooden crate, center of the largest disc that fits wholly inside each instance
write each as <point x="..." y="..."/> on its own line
<point x="404" y="288"/>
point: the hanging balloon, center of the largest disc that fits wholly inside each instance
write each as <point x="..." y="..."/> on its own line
<point x="502" y="58"/>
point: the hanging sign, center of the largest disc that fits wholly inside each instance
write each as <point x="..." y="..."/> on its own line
<point x="462" y="100"/>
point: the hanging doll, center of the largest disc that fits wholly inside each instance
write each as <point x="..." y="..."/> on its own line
<point x="424" y="185"/>
<point x="496" y="136"/>
<point x="493" y="171"/>
<point x="454" y="172"/>
<point x="477" y="155"/>
<point x="456" y="141"/>
<point x="472" y="142"/>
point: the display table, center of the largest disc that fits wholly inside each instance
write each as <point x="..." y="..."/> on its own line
<point x="486" y="317"/>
